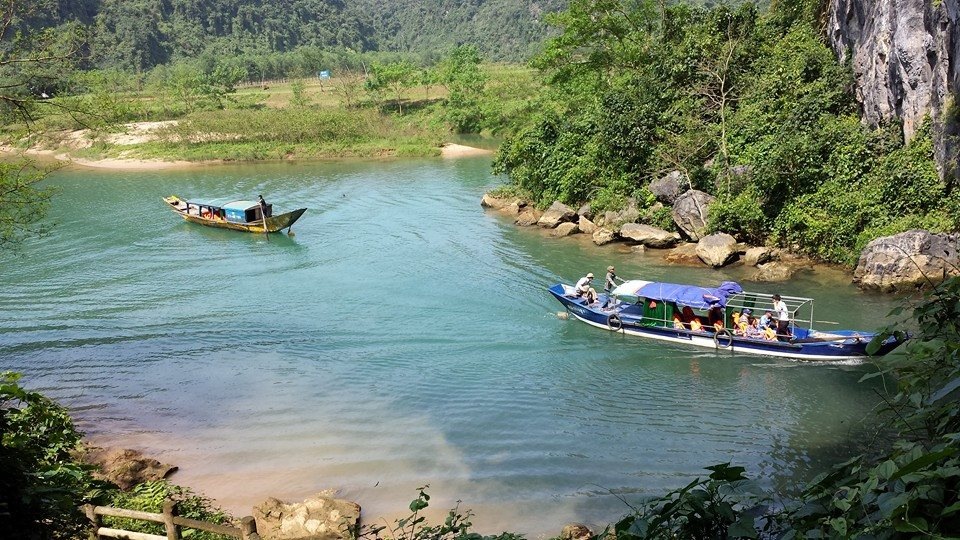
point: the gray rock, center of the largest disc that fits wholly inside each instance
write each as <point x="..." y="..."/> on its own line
<point x="528" y="216"/>
<point x="717" y="249"/>
<point x="684" y="254"/>
<point x="907" y="260"/>
<point x="575" y="531"/>
<point x="638" y="249"/>
<point x="585" y="211"/>
<point x="586" y="226"/>
<point x="758" y="255"/>
<point x="603" y="236"/>
<point x="906" y="63"/>
<point x="690" y="213"/>
<point x="565" y="229"/>
<point x="557" y="213"/>
<point x="489" y="201"/>
<point x="321" y="517"/>
<point x="668" y="188"/>
<point x="649" y="236"/>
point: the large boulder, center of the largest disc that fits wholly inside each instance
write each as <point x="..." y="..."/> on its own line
<point x="907" y="260"/>
<point x="648" y="235"/>
<point x="126" y="468"/>
<point x="321" y="517"/>
<point x="557" y="213"/>
<point x="758" y="255"/>
<point x="586" y="226"/>
<point x="585" y="211"/>
<point x="690" y="213"/>
<point x="495" y="203"/>
<point x="668" y="188"/>
<point x="685" y="254"/>
<point x="575" y="531"/>
<point x="603" y="236"/>
<point x="528" y="216"/>
<point x="717" y="249"/>
<point x="565" y="229"/>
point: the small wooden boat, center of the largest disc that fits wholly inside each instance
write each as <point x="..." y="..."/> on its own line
<point x="708" y="317"/>
<point x="237" y="215"/>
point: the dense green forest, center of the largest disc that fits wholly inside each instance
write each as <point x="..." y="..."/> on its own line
<point x="750" y="106"/>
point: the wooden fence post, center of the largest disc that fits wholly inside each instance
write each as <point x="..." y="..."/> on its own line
<point x="169" y="511"/>
<point x="248" y="529"/>
<point x="91" y="513"/>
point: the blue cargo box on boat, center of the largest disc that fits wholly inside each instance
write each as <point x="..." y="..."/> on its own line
<point x="236" y="211"/>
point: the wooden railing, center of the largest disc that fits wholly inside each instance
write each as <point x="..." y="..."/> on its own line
<point x="171" y="521"/>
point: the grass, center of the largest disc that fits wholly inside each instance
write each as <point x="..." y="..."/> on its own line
<point x="267" y="122"/>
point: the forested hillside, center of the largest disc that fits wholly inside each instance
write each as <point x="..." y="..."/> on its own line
<point x="137" y="35"/>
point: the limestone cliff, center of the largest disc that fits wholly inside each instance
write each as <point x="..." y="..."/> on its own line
<point x="906" y="59"/>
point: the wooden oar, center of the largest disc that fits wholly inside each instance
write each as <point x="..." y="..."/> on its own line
<point x="263" y="215"/>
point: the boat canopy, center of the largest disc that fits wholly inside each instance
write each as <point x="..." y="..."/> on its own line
<point x="241" y="205"/>
<point x="682" y="295"/>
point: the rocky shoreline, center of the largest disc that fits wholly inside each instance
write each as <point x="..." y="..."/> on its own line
<point x="910" y="260"/>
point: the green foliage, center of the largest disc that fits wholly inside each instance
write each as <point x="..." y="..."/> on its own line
<point x="637" y="89"/>
<point x="41" y="485"/>
<point x="150" y="497"/>
<point x="741" y="216"/>
<point x="23" y="202"/>
<point x="415" y="526"/>
<point x="710" y="508"/>
<point x="465" y="81"/>
<point x="393" y="77"/>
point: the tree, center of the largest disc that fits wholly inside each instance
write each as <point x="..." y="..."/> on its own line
<point x="392" y="77"/>
<point x="465" y="81"/>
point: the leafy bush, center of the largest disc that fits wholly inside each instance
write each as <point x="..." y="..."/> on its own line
<point x="456" y="526"/>
<point x="150" y="497"/>
<point x="41" y="485"/>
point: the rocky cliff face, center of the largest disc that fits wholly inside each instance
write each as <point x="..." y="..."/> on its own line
<point x="906" y="59"/>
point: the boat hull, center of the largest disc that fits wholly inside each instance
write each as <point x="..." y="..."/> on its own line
<point x="272" y="224"/>
<point x="850" y="347"/>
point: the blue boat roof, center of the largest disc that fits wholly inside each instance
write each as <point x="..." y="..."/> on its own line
<point x="683" y="295"/>
<point x="240" y="205"/>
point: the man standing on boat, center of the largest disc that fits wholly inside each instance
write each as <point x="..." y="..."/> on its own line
<point x="265" y="208"/>
<point x="783" y="318"/>
<point x="610" y="284"/>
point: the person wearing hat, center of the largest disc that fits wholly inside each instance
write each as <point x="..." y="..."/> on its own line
<point x="744" y="322"/>
<point x="612" y="279"/>
<point x="610" y="284"/>
<point x="584" y="289"/>
<point x="265" y="208"/>
<point x="783" y="318"/>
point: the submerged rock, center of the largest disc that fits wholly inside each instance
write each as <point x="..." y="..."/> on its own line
<point x="126" y="468"/>
<point x="575" y="531"/>
<point x="685" y="254"/>
<point x="529" y="216"/>
<point x="758" y="255"/>
<point x="321" y="517"/>
<point x="907" y="260"/>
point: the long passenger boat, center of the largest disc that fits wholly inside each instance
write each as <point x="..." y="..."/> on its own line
<point x="708" y="317"/>
<point x="249" y="216"/>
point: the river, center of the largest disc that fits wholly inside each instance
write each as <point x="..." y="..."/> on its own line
<point x="402" y="337"/>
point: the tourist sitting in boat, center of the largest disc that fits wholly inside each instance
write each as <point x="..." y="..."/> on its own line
<point x="678" y="323"/>
<point x="766" y="320"/>
<point x="696" y="325"/>
<point x="743" y="322"/>
<point x="584" y="289"/>
<point x="769" y="334"/>
<point x="753" y="330"/>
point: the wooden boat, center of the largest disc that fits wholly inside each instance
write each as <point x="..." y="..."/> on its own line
<point x="707" y="317"/>
<point x="237" y="215"/>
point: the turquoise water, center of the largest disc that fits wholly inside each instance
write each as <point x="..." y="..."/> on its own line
<point x="403" y="337"/>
